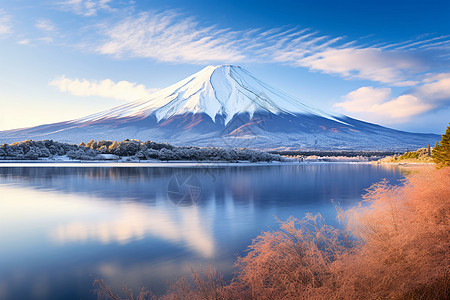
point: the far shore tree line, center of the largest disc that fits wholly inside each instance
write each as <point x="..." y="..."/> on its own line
<point x="134" y="149"/>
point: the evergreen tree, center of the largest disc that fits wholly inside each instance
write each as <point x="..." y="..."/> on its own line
<point x="90" y="144"/>
<point x="441" y="152"/>
<point x="103" y="149"/>
<point x="114" y="148"/>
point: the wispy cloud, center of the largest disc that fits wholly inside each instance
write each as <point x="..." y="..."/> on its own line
<point x="167" y="37"/>
<point x="122" y="90"/>
<point x="86" y="7"/>
<point x="5" y="23"/>
<point x="49" y="33"/>
<point x="377" y="105"/>
<point x="171" y="37"/>
<point x="348" y="59"/>
<point x="24" y="42"/>
<point x="424" y="43"/>
<point x="45" y="25"/>
<point x="374" y="64"/>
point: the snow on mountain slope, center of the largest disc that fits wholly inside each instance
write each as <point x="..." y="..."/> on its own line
<point x="216" y="90"/>
<point x="225" y="106"/>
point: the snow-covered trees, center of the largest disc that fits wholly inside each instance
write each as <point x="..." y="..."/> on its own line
<point x="103" y="149"/>
<point x="134" y="149"/>
<point x="36" y="152"/>
<point x="32" y="150"/>
<point x="114" y="148"/>
<point x="166" y="154"/>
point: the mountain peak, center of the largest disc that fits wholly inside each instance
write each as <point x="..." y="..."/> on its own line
<point x="220" y="90"/>
<point x="225" y="66"/>
<point x="208" y="71"/>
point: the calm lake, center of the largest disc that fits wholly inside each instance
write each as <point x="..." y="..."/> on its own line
<point x="62" y="226"/>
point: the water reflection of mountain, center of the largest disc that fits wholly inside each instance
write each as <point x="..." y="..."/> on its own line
<point x="283" y="185"/>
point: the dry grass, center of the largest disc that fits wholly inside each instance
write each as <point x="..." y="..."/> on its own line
<point x="104" y="292"/>
<point x="207" y="284"/>
<point x="405" y="238"/>
<point x="294" y="261"/>
<point x="396" y="245"/>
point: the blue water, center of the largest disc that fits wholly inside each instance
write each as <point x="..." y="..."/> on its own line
<point x="62" y="227"/>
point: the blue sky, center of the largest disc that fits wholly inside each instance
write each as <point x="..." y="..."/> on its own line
<point x="386" y="62"/>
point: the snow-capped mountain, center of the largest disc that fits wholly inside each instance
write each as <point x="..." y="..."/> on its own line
<point x="217" y="91"/>
<point x="225" y="106"/>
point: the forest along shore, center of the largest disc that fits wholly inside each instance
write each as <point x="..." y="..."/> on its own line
<point x="334" y="156"/>
<point x="130" y="150"/>
<point x="135" y="151"/>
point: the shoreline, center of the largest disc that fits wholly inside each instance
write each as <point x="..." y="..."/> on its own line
<point x="190" y="163"/>
<point x="199" y="164"/>
<point x="406" y="164"/>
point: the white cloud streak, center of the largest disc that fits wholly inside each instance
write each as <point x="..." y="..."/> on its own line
<point x="367" y="63"/>
<point x="24" y="42"/>
<point x="5" y="23"/>
<point x="422" y="43"/>
<point x="48" y="30"/>
<point x="122" y="90"/>
<point x="45" y="25"/>
<point x="86" y="8"/>
<point x="166" y="37"/>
